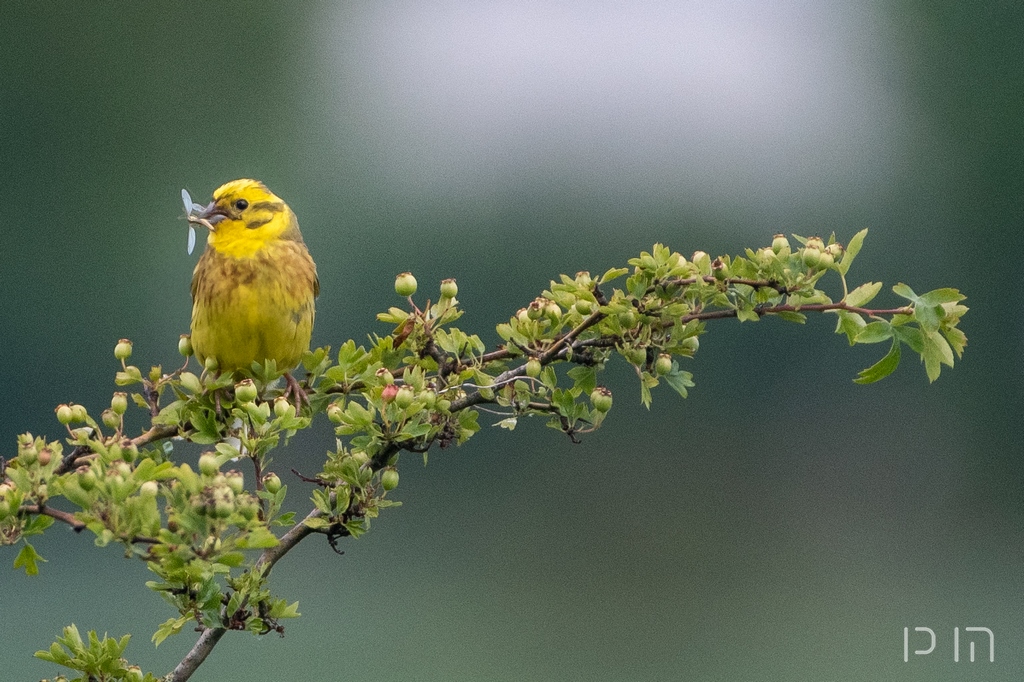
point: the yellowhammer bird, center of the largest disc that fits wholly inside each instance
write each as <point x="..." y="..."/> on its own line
<point x="253" y="288"/>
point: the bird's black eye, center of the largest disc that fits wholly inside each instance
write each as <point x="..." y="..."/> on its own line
<point x="241" y="204"/>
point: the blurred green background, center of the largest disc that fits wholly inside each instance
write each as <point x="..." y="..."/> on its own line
<point x="780" y="524"/>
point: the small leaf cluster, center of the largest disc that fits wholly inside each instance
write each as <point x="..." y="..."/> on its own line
<point x="95" y="658"/>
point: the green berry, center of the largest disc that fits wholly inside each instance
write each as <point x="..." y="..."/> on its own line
<point x="272" y="483"/>
<point x="119" y="403"/>
<point x="123" y="350"/>
<point x="245" y="391"/>
<point x="584" y="279"/>
<point x="584" y="307"/>
<point x="283" y="409"/>
<point x="719" y="269"/>
<point x="389" y="393"/>
<point x="429" y="397"/>
<point x="405" y="284"/>
<point x="208" y="465"/>
<point x="404" y="397"/>
<point x="87" y="479"/>
<point x="553" y="311"/>
<point x="627" y="319"/>
<point x="449" y="289"/>
<point x="185" y="345"/>
<point x="334" y="413"/>
<point x="663" y="365"/>
<point x="110" y="419"/>
<point x="523" y="315"/>
<point x="533" y="368"/>
<point x="690" y="344"/>
<point x="235" y="481"/>
<point x="211" y="364"/>
<point x="64" y="414"/>
<point x="360" y="457"/>
<point x="780" y="245"/>
<point x="811" y="257"/>
<point x="78" y="413"/>
<point x="535" y="311"/>
<point x="389" y="479"/>
<point x="385" y="375"/>
<point x="826" y="260"/>
<point x="815" y="243"/>
<point x="601" y="398"/>
<point x="149" y="489"/>
<point x="45" y="456"/>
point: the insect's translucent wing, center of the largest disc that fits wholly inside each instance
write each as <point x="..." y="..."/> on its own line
<point x="186" y="199"/>
<point x="191" y="239"/>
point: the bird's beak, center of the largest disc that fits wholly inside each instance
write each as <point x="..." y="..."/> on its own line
<point x="212" y="215"/>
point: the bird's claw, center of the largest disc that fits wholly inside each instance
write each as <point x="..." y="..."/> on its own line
<point x="296" y="391"/>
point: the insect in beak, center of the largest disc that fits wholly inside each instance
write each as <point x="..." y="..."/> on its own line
<point x="194" y="214"/>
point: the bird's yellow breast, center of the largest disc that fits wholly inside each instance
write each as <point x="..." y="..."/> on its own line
<point x="253" y="304"/>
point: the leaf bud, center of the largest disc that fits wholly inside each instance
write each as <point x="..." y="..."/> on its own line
<point x="123" y="350"/>
<point x="389" y="479"/>
<point x="360" y="457"/>
<point x="119" y="403"/>
<point x="272" y="483"/>
<point x="405" y="284"/>
<point x="523" y="315"/>
<point x="208" y="465"/>
<point x="584" y="279"/>
<point x="282" y="408"/>
<point x="185" y="345"/>
<point x="245" y="391"/>
<point x="64" y="414"/>
<point x="449" y="289"/>
<point x="533" y="368"/>
<point x="601" y="397"/>
<point x="149" y="489"/>
<point x="663" y="365"/>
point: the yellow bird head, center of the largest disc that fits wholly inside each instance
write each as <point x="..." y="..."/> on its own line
<point x="245" y="216"/>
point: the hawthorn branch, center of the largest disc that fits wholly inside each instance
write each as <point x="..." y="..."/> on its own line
<point x="211" y="636"/>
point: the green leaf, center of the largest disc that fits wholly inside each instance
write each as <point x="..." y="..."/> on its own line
<point x="679" y="380"/>
<point x="171" y="626"/>
<point x="585" y="378"/>
<point x="28" y="558"/>
<point x="850" y="324"/>
<point x="882" y="368"/>
<point x="874" y="332"/>
<point x="906" y="292"/>
<point x="852" y="249"/>
<point x="508" y="423"/>
<point x="790" y="316"/>
<point x="936" y="353"/>
<point x="863" y="294"/>
<point x="612" y="274"/>
<point x="940" y="296"/>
